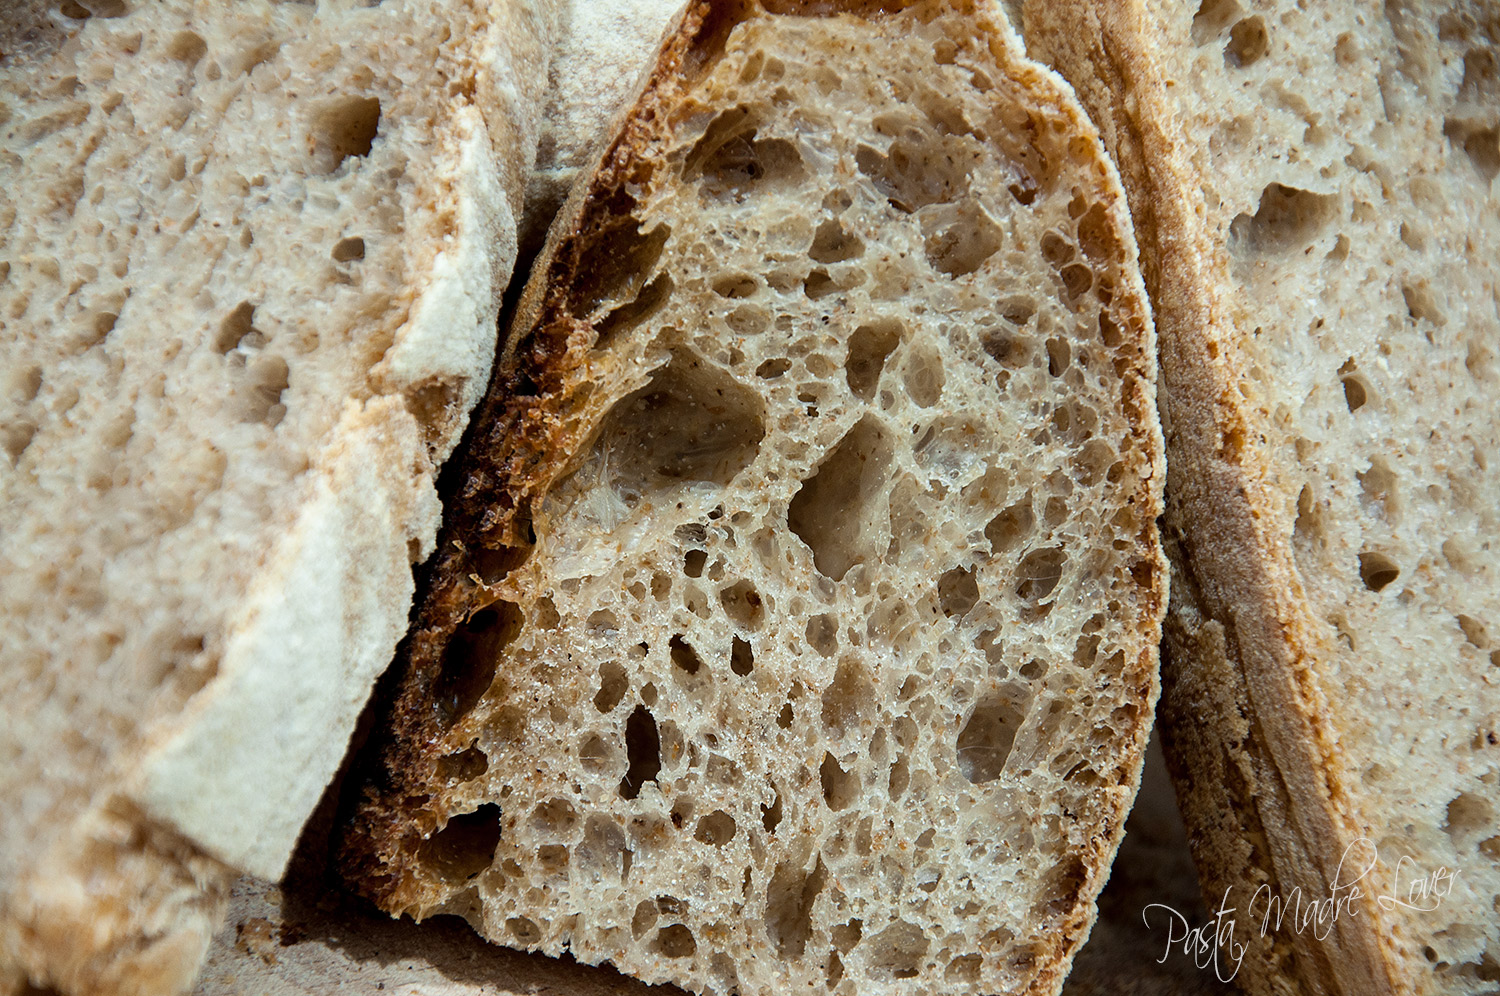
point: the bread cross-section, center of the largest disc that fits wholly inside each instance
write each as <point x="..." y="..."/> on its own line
<point x="795" y="621"/>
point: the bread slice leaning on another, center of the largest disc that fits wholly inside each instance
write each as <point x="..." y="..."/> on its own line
<point x="1313" y="191"/>
<point x="249" y="277"/>
<point x="795" y="619"/>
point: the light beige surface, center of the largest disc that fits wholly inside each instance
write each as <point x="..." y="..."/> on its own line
<point x="1314" y="188"/>
<point x="603" y="51"/>
<point x="824" y="647"/>
<point x="251" y="263"/>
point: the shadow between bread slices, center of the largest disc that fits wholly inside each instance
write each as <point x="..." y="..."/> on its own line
<point x="795" y="618"/>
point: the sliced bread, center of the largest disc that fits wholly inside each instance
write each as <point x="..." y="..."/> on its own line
<point x="249" y="275"/>
<point x="1313" y="191"/>
<point x="794" y="624"/>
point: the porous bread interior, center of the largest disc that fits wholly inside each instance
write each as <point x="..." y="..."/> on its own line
<point x="831" y="662"/>
<point x="216" y="220"/>
<point x="1348" y="153"/>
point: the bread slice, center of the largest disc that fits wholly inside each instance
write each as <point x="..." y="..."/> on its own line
<point x="249" y="278"/>
<point x="795" y="619"/>
<point x="1312" y="187"/>
<point x="603" y="52"/>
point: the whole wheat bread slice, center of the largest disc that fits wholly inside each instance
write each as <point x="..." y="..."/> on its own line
<point x="1313" y="191"/>
<point x="249" y="277"/>
<point x="795" y="619"/>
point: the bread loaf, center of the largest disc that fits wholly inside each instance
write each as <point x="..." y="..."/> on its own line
<point x="794" y="623"/>
<point x="249" y="276"/>
<point x="1313" y="190"/>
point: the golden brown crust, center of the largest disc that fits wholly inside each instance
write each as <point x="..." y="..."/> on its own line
<point x="1248" y="733"/>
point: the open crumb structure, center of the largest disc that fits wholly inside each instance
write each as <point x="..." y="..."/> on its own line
<point x="795" y="624"/>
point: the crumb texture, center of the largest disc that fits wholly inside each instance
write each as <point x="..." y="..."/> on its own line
<point x="226" y="235"/>
<point x="825" y="657"/>
<point x="1347" y="156"/>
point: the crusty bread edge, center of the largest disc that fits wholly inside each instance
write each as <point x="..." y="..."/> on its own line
<point x="1246" y="728"/>
<point x="388" y="816"/>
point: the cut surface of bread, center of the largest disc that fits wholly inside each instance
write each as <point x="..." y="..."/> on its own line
<point x="249" y="274"/>
<point x="1313" y="192"/>
<point x="604" y="50"/>
<point x="795" y="622"/>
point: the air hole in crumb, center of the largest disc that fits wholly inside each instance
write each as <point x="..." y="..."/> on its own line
<point x="771" y="369"/>
<point x="689" y="423"/>
<point x="958" y="591"/>
<point x="1097" y="236"/>
<point x="1421" y="305"/>
<point x="964" y="968"/>
<point x="729" y="159"/>
<point x="344" y="128"/>
<point x="849" y="697"/>
<point x="684" y="656"/>
<point x="985" y="741"/>
<point x="348" y="250"/>
<point x="828" y="511"/>
<point x="823" y="634"/>
<point x="1077" y="279"/>
<point x="613" y="685"/>
<point x="819" y="285"/>
<point x="632" y="314"/>
<point x="832" y="243"/>
<point x="1011" y="526"/>
<point x="268" y="376"/>
<point x="1355" y="394"/>
<point x="912" y="176"/>
<point x="675" y="941"/>
<point x="869" y="347"/>
<point x="472" y="658"/>
<point x="1480" y="144"/>
<point x="1058" y="357"/>
<point x="784" y="718"/>
<point x="524" y="930"/>
<point x="741" y="658"/>
<point x="1473" y="631"/>
<point x="716" y="828"/>
<point x="923" y="376"/>
<point x="789" y="904"/>
<point x="1248" y="43"/>
<point x="1468" y="817"/>
<point x="1018" y="310"/>
<point x="614" y="266"/>
<point x="187" y="47"/>
<point x="465" y="846"/>
<point x="736" y="286"/>
<point x="1039" y="573"/>
<point x="840" y="787"/>
<point x="963" y="246"/>
<point x="465" y="766"/>
<point x="643" y="746"/>
<point x="1287" y="219"/>
<point x="1011" y="352"/>
<point x="1377" y="570"/>
<point x="1212" y="18"/>
<point x="898" y="950"/>
<point x="236" y="327"/>
<point x="770" y="816"/>
<point x="743" y="604"/>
